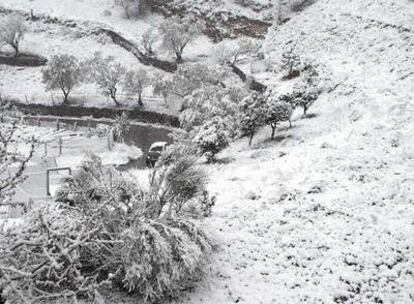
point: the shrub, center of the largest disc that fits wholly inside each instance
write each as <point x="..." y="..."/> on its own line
<point x="105" y="232"/>
<point x="63" y="73"/>
<point x="121" y="127"/>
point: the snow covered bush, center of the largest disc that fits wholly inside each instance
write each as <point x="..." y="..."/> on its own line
<point x="251" y="115"/>
<point x="291" y="63"/>
<point x="211" y="138"/>
<point x="12" y="30"/>
<point x="133" y="8"/>
<point x="121" y="126"/>
<point x="135" y="83"/>
<point x="62" y="73"/>
<point x="107" y="73"/>
<point x="110" y="232"/>
<point x="277" y="111"/>
<point x="177" y="33"/>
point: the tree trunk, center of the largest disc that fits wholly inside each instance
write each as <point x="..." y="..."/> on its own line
<point x="65" y="96"/>
<point x="113" y="96"/>
<point x="179" y="58"/>
<point x="16" y="49"/>
<point x="290" y="123"/>
<point x="251" y="138"/>
<point x="305" y="109"/>
<point x="140" y="99"/>
<point x="273" y="126"/>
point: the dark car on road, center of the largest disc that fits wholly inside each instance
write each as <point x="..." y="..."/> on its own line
<point x="154" y="152"/>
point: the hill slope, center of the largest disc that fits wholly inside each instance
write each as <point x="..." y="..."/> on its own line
<point x="325" y="214"/>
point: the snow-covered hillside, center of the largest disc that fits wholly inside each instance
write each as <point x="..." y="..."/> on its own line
<point x="325" y="213"/>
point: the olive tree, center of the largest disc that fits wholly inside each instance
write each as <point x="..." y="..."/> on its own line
<point x="107" y="74"/>
<point x="177" y="33"/>
<point x="135" y="83"/>
<point x="62" y="73"/>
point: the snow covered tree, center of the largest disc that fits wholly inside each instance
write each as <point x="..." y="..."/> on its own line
<point x="291" y="63"/>
<point x="231" y="51"/>
<point x="190" y="77"/>
<point x="305" y="91"/>
<point x="63" y="73"/>
<point x="135" y="83"/>
<point x="251" y="115"/>
<point x="133" y="8"/>
<point x="177" y="33"/>
<point x="108" y="74"/>
<point x="211" y="138"/>
<point x="277" y="111"/>
<point x="12" y="31"/>
<point x="148" y="39"/>
<point x="111" y="233"/>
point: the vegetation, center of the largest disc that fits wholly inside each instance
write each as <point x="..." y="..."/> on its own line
<point x="177" y="33"/>
<point x="135" y="83"/>
<point x="251" y="115"/>
<point x="12" y="31"/>
<point x="133" y="8"/>
<point x="63" y="73"/>
<point x="112" y="233"/>
<point x="108" y="74"/>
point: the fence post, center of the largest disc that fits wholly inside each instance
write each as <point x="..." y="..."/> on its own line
<point x="60" y="145"/>
<point x="38" y="121"/>
<point x="57" y="124"/>
<point x="110" y="137"/>
<point x="75" y="126"/>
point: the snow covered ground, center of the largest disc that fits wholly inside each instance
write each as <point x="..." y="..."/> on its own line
<point x="324" y="214"/>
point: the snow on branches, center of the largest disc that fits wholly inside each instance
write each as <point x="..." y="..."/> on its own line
<point x="107" y="231"/>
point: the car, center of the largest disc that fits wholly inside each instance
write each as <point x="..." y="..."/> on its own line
<point x="154" y="152"/>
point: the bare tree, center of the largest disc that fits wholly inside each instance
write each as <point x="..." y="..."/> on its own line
<point x="63" y="73"/>
<point x="12" y="31"/>
<point x="136" y="82"/>
<point x="177" y="33"/>
<point x="108" y="74"/>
